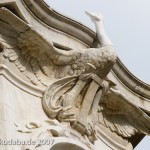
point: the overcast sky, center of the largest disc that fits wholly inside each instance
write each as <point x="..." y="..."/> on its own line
<point x="127" y="23"/>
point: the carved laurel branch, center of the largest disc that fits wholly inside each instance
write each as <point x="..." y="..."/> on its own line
<point x="41" y="130"/>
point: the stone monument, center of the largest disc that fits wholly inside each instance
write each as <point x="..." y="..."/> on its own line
<point x="62" y="86"/>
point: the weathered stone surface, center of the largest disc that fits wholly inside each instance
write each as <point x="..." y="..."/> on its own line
<point x="57" y="87"/>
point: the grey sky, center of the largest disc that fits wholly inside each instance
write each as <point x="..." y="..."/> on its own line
<point x="127" y="23"/>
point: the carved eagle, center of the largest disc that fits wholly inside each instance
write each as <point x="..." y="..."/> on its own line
<point x="42" y="61"/>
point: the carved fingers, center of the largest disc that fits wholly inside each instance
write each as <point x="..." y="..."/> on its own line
<point x="91" y="132"/>
<point x="86" y="76"/>
<point x="66" y="115"/>
<point x="118" y="93"/>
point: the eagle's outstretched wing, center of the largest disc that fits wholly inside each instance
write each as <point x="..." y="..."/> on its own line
<point x="121" y="116"/>
<point x="41" y="60"/>
<point x="37" y="58"/>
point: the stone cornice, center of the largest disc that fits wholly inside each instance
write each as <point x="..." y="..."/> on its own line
<point x="12" y="5"/>
<point x="56" y="20"/>
<point x="131" y="81"/>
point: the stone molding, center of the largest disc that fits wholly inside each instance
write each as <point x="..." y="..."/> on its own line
<point x="115" y="145"/>
<point x="21" y="84"/>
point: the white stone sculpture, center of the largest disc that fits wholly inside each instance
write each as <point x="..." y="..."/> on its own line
<point x="54" y="73"/>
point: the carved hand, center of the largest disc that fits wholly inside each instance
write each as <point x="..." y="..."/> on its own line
<point x="66" y="115"/>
